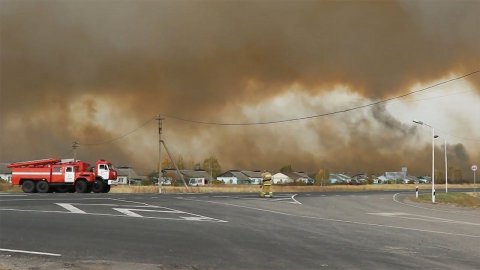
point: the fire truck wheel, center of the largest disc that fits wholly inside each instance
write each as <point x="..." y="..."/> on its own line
<point x="81" y="186"/>
<point x="28" y="186"/>
<point x="98" y="186"/>
<point x="106" y="189"/>
<point x="43" y="186"/>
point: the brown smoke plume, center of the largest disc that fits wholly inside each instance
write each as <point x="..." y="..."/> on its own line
<point x="65" y="65"/>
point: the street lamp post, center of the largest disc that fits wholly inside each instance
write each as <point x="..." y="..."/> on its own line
<point x="433" y="156"/>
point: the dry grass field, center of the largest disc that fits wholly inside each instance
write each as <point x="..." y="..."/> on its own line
<point x="276" y="188"/>
<point x="468" y="199"/>
<point x="5" y="187"/>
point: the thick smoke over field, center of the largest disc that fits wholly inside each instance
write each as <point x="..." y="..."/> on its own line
<point x="92" y="71"/>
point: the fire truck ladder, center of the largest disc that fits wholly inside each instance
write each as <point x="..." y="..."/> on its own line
<point x="32" y="163"/>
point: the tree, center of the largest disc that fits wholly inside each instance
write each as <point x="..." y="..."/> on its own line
<point x="286" y="169"/>
<point x="197" y="166"/>
<point x="212" y="166"/>
<point x="153" y="177"/>
<point x="321" y="178"/>
<point x="457" y="175"/>
<point x="180" y="163"/>
<point x="370" y="178"/>
<point x="439" y="177"/>
<point x="167" y="163"/>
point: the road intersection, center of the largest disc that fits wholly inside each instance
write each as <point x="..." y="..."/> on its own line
<point x="370" y="230"/>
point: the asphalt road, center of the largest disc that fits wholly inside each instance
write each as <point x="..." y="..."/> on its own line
<point x="371" y="230"/>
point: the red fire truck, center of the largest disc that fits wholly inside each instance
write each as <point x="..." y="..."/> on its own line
<point x="47" y="175"/>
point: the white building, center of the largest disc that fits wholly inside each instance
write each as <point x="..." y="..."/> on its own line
<point x="280" y="178"/>
<point x="6" y="176"/>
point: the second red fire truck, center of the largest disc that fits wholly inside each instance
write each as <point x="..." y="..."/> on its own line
<point x="47" y="175"/>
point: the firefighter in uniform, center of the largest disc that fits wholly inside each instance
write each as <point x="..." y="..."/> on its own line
<point x="266" y="185"/>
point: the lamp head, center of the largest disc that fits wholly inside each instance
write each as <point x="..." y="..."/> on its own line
<point x="418" y="122"/>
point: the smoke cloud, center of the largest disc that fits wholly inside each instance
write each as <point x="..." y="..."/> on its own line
<point x="92" y="71"/>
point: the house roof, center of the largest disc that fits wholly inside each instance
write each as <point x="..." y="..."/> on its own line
<point x="253" y="174"/>
<point x="293" y="175"/>
<point x="279" y="174"/>
<point x="188" y="173"/>
<point x="239" y="175"/>
<point x="296" y="175"/>
<point x="129" y="172"/>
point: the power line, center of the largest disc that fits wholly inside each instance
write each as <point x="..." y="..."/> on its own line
<point x="284" y="120"/>
<point x="319" y="115"/>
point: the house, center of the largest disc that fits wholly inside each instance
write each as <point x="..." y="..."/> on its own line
<point x="6" y="177"/>
<point x="359" y="179"/>
<point x="255" y="177"/>
<point x="234" y="177"/>
<point x="244" y="177"/>
<point x="339" y="178"/>
<point x="126" y="176"/>
<point x="281" y="178"/>
<point x="192" y="177"/>
<point x="300" y="177"/>
<point x="380" y="180"/>
<point x="396" y="176"/>
<point x="5" y="173"/>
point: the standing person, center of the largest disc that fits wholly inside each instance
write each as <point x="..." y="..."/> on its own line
<point x="266" y="185"/>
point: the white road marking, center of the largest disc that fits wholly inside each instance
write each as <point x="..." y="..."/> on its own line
<point x="71" y="208"/>
<point x="114" y="205"/>
<point x="109" y="215"/>
<point x="283" y="198"/>
<point x="127" y="201"/>
<point x="30" y="252"/>
<point x="127" y="212"/>
<point x="388" y="214"/>
<point x="338" y="220"/>
<point x="12" y="195"/>
<point x="295" y="201"/>
<point x="193" y="218"/>
<point x="423" y="218"/>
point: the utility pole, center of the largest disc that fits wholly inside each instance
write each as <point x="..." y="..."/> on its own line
<point x="160" y="142"/>
<point x="160" y="123"/>
<point x="75" y="145"/>
<point x="446" y="167"/>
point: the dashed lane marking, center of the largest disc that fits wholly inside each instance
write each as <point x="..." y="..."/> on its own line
<point x="71" y="208"/>
<point x="283" y="198"/>
<point x="30" y="252"/>
<point x="423" y="218"/>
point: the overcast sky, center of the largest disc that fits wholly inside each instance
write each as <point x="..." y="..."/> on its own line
<point x="93" y="71"/>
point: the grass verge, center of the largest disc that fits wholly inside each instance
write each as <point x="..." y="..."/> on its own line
<point x="276" y="188"/>
<point x="456" y="198"/>
<point x="7" y="187"/>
